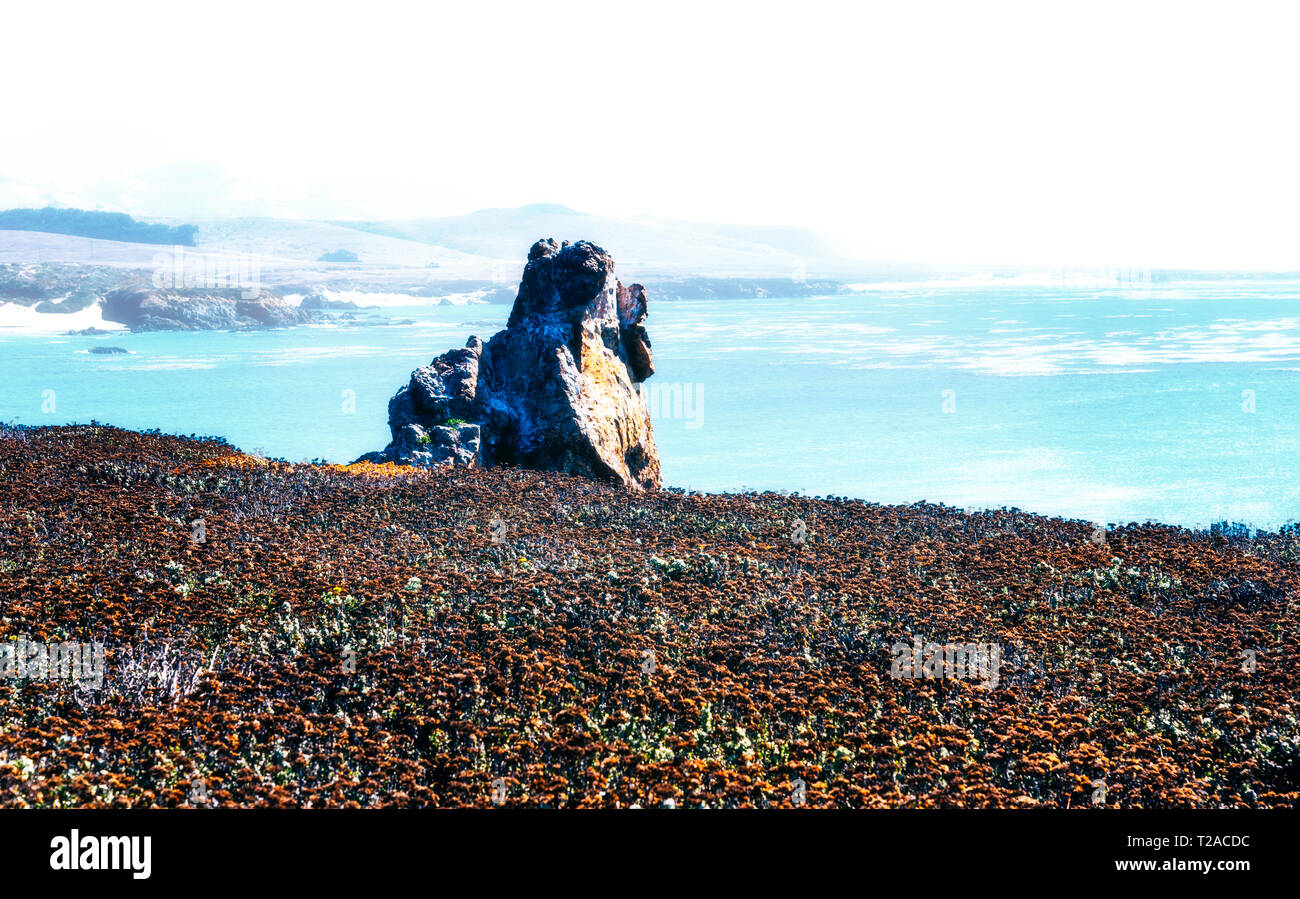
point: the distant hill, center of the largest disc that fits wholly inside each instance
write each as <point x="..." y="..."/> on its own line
<point x="101" y="225"/>
<point x="486" y="245"/>
<point x="701" y="248"/>
<point x="306" y="240"/>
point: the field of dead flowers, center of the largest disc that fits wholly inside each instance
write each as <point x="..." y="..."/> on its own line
<point x="298" y="635"/>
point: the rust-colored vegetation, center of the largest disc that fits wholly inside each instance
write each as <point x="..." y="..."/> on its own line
<point x="359" y="637"/>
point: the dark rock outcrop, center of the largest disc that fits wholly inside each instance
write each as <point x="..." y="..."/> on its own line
<point x="152" y="309"/>
<point x="557" y="390"/>
<point x="318" y="301"/>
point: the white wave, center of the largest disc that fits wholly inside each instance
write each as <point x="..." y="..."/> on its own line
<point x="16" y="319"/>
<point x="988" y="279"/>
<point x="366" y="299"/>
<point x="295" y="355"/>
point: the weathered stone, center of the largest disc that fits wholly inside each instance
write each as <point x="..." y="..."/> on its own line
<point x="233" y="309"/>
<point x="556" y="390"/>
<point x="632" y="314"/>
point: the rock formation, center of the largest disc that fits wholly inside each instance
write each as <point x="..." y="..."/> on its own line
<point x="556" y="390"/>
<point x="318" y="300"/>
<point x="227" y="309"/>
<point x="127" y="296"/>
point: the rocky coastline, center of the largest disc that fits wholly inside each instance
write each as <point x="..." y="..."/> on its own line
<point x="233" y="309"/>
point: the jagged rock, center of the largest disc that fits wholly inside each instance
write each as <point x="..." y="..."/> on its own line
<point x="556" y="390"/>
<point x="319" y="301"/>
<point x="631" y="316"/>
<point x="233" y="309"/>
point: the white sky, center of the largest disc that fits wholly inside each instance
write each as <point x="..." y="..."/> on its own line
<point x="1125" y="133"/>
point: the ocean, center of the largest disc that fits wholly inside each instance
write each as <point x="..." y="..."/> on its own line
<point x="1176" y="402"/>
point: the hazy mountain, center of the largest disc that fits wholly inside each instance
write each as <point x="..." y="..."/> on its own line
<point x="300" y="240"/>
<point x="644" y="242"/>
<point x="490" y="245"/>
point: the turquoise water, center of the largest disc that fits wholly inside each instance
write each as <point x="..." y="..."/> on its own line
<point x="1178" y="403"/>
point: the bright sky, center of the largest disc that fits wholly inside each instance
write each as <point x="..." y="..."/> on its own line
<point x="1115" y="133"/>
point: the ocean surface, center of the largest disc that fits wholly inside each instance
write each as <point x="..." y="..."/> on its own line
<point x="1177" y="402"/>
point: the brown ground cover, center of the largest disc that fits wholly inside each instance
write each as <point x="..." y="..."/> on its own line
<point x="372" y="636"/>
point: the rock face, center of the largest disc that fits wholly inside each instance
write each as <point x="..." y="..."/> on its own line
<point x="320" y="301"/>
<point x="555" y="391"/>
<point x="151" y="309"/>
